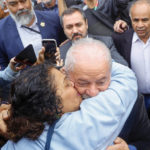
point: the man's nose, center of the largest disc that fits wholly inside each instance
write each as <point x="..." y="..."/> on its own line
<point x="20" y="6"/>
<point x="92" y="91"/>
<point x="140" y="24"/>
<point x="74" y="30"/>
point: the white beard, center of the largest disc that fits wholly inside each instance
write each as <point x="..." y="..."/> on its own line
<point x="23" y="19"/>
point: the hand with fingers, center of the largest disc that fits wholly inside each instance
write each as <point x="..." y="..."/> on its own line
<point x="119" y="144"/>
<point x="41" y="57"/>
<point x="13" y="63"/>
<point x="120" y="26"/>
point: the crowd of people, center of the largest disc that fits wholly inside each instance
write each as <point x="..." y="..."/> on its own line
<point x="93" y="92"/>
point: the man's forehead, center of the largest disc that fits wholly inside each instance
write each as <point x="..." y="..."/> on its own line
<point x="143" y="7"/>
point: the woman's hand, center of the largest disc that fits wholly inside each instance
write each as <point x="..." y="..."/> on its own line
<point x="12" y="64"/>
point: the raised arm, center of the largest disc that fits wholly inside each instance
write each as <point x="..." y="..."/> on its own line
<point x="61" y="6"/>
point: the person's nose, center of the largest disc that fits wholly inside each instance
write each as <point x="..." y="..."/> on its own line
<point x="20" y="6"/>
<point x="92" y="91"/>
<point x="140" y="24"/>
<point x="74" y="30"/>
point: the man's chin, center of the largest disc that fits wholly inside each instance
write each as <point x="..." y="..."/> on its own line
<point x="76" y="38"/>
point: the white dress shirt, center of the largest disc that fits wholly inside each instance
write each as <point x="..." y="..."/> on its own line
<point x="140" y="62"/>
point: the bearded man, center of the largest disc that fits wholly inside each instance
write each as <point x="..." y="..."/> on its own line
<point x="23" y="27"/>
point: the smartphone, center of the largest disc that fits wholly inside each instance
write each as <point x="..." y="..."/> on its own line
<point x="26" y="56"/>
<point x="50" y="48"/>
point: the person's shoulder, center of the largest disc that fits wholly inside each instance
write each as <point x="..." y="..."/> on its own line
<point x="125" y="33"/>
<point x="5" y="20"/>
<point x="99" y="37"/>
<point x="122" y="36"/>
<point x="49" y="16"/>
<point x="65" y="45"/>
<point x="27" y="144"/>
<point x="105" y="39"/>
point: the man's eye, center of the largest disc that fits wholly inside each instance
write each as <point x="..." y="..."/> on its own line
<point x="145" y="20"/>
<point x="13" y="3"/>
<point x="135" y="20"/>
<point x="69" y="27"/>
<point x="82" y="84"/>
<point x="79" y="25"/>
<point x="23" y="1"/>
<point x="100" y="83"/>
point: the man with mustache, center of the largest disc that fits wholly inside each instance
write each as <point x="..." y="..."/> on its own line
<point x="134" y="46"/>
<point x="24" y="27"/>
<point x="75" y="26"/>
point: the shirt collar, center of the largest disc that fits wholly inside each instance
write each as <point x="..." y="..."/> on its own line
<point x="136" y="38"/>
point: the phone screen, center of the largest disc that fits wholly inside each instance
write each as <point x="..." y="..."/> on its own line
<point x="50" y="48"/>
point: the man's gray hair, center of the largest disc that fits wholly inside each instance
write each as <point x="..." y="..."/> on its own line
<point x="138" y="2"/>
<point x="90" y="47"/>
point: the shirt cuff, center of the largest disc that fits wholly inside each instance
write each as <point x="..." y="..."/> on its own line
<point x="9" y="74"/>
<point x="132" y="147"/>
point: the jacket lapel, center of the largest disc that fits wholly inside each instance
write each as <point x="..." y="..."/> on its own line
<point x="42" y="26"/>
<point x="128" y="44"/>
<point x="13" y="33"/>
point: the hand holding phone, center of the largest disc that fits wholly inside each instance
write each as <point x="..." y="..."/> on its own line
<point x="26" y="56"/>
<point x="50" y="49"/>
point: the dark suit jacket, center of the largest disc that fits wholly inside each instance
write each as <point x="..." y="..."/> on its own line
<point x="123" y="43"/>
<point x="136" y="130"/>
<point x="107" y="40"/>
<point x="10" y="42"/>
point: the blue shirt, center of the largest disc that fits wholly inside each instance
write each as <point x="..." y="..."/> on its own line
<point x="98" y="122"/>
<point x="8" y="74"/>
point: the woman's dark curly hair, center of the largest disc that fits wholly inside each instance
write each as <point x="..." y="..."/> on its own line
<point x="34" y="102"/>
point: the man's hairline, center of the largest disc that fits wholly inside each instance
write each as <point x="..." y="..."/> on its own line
<point x="62" y="17"/>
